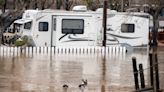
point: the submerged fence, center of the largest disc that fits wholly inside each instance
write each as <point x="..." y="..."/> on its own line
<point x="62" y="50"/>
<point x="154" y="85"/>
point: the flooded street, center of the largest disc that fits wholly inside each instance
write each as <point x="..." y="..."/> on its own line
<point x="48" y="73"/>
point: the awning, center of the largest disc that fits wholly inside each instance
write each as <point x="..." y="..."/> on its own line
<point x="22" y="21"/>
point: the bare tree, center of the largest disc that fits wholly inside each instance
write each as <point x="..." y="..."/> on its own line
<point x="58" y="4"/>
<point x="42" y="3"/>
<point x="155" y="8"/>
<point x="20" y="4"/>
<point x="49" y="4"/>
<point x="14" y="4"/>
<point x="67" y="4"/>
<point x="35" y="4"/>
<point x="92" y="4"/>
<point x="3" y="5"/>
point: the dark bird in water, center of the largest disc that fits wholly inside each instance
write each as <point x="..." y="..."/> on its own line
<point x="82" y="85"/>
<point x="65" y="86"/>
<point x="85" y="82"/>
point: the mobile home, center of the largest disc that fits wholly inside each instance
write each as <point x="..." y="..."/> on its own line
<point x="81" y="27"/>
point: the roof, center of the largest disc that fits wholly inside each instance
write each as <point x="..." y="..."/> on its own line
<point x="88" y="12"/>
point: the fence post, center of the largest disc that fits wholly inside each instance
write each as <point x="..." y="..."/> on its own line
<point x="135" y="73"/>
<point x="156" y="73"/>
<point x="151" y="69"/>
<point x="142" y="79"/>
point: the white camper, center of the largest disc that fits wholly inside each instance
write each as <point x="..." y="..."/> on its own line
<point x="83" y="28"/>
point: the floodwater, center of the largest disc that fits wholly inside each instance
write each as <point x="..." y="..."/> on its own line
<point x="48" y="73"/>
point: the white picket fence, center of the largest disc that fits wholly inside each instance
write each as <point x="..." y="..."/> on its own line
<point x="62" y="50"/>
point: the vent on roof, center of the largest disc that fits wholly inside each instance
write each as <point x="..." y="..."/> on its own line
<point x="80" y="8"/>
<point x="108" y="10"/>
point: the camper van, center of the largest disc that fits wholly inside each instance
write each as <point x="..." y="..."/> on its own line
<point x="81" y="27"/>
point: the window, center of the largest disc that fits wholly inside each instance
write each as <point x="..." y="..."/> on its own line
<point x="162" y="12"/>
<point x="17" y="27"/>
<point x="43" y="26"/>
<point x="54" y="24"/>
<point x="73" y="26"/>
<point x="27" y="25"/>
<point x="127" y="28"/>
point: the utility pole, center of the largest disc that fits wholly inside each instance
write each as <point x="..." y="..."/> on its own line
<point x="104" y="21"/>
<point x="103" y="86"/>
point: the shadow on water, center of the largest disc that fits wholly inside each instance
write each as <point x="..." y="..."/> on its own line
<point x="52" y="72"/>
<point x="103" y="87"/>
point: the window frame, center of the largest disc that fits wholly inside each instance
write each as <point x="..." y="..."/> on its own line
<point x="73" y="31"/>
<point x="128" y="24"/>
<point x="43" y="28"/>
<point x="25" y="25"/>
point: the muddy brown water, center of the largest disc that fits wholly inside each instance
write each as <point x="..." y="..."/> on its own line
<point x="48" y="73"/>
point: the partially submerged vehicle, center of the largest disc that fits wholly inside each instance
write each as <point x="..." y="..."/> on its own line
<point x="80" y="28"/>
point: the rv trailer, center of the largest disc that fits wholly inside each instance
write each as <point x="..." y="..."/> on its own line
<point x="81" y="27"/>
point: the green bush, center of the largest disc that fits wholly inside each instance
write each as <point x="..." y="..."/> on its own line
<point x="22" y="41"/>
<point x="19" y="42"/>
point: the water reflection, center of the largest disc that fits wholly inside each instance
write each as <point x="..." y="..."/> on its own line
<point x="48" y="73"/>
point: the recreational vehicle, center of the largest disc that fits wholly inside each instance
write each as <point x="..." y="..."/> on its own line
<point x="81" y="27"/>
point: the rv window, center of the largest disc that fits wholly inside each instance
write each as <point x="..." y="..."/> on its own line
<point x="127" y="28"/>
<point x="73" y="26"/>
<point x="43" y="26"/>
<point x="54" y="24"/>
<point x="17" y="27"/>
<point x="27" y="25"/>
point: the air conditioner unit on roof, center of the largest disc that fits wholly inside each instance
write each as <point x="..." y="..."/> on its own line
<point x="80" y="8"/>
